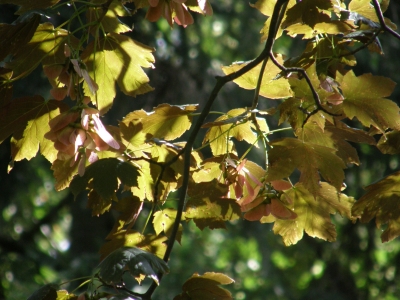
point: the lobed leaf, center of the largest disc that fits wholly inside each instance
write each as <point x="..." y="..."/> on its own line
<point x="164" y="221"/>
<point x="117" y="59"/>
<point x="27" y="120"/>
<point x="207" y="207"/>
<point x="382" y="203"/>
<point x="206" y="287"/>
<point x="364" y="99"/>
<point x="104" y="177"/>
<point x="271" y="87"/>
<point x="310" y="159"/>
<point x="166" y="122"/>
<point x="313" y="213"/>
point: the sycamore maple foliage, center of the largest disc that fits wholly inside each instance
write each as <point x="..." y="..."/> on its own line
<point x="297" y="185"/>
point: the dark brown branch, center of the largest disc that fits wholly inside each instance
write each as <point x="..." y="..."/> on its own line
<point x="221" y="81"/>
<point x="308" y="80"/>
<point x="382" y="20"/>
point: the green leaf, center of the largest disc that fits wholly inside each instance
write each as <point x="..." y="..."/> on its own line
<point x="271" y="86"/>
<point x="206" y="287"/>
<point x="27" y="5"/>
<point x="219" y="136"/>
<point x="46" y="46"/>
<point x="364" y="99"/>
<point x="364" y="8"/>
<point x="46" y="292"/>
<point x="166" y="122"/>
<point x="130" y="238"/>
<point x="64" y="171"/>
<point x="382" y="203"/>
<point x="137" y="261"/>
<point x="164" y="221"/>
<point x="27" y="120"/>
<point x="207" y="207"/>
<point x="310" y="159"/>
<point x="336" y="137"/>
<point x="313" y="213"/>
<point x="109" y="21"/>
<point x="117" y="59"/>
<point x="104" y="177"/>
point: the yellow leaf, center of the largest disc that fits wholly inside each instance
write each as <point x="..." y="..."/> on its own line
<point x="313" y="214"/>
<point x="117" y="59"/>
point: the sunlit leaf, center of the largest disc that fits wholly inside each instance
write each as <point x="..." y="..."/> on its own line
<point x="206" y="287"/>
<point x="364" y="8"/>
<point x="46" y="46"/>
<point x="64" y="295"/>
<point x="164" y="221"/>
<point x="271" y="86"/>
<point x="336" y="137"/>
<point x="310" y="159"/>
<point x="382" y="203"/>
<point x="130" y="238"/>
<point x="166" y="122"/>
<point x="104" y="176"/>
<point x="136" y="260"/>
<point x="27" y="120"/>
<point x="117" y="59"/>
<point x="219" y="136"/>
<point x="207" y="207"/>
<point x="109" y="19"/>
<point x="313" y="213"/>
<point x="364" y="100"/>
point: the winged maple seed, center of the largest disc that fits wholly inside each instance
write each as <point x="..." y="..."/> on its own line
<point x="168" y="8"/>
<point x="80" y="139"/>
<point x="268" y="203"/>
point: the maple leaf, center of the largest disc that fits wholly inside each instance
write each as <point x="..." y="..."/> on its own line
<point x="63" y="171"/>
<point x="207" y="207"/>
<point x="130" y="238"/>
<point x="104" y="176"/>
<point x="382" y="203"/>
<point x="364" y="8"/>
<point x="313" y="213"/>
<point x="110" y="21"/>
<point x="117" y="59"/>
<point x="310" y="159"/>
<point x="166" y="122"/>
<point x="336" y="137"/>
<point x="206" y="287"/>
<point x="271" y="86"/>
<point x="46" y="46"/>
<point x="27" y="120"/>
<point x="219" y="136"/>
<point x="26" y="5"/>
<point x="364" y="99"/>
<point x="164" y="221"/>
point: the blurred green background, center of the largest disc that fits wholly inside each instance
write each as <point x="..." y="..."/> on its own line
<point x="46" y="236"/>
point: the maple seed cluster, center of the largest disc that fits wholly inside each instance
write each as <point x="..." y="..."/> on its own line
<point x="79" y="141"/>
<point x="175" y="11"/>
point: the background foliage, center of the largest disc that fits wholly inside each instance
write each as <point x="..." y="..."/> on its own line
<point x="56" y="239"/>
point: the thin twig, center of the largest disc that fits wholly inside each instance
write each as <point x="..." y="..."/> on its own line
<point x="382" y="20"/>
<point x="308" y="80"/>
